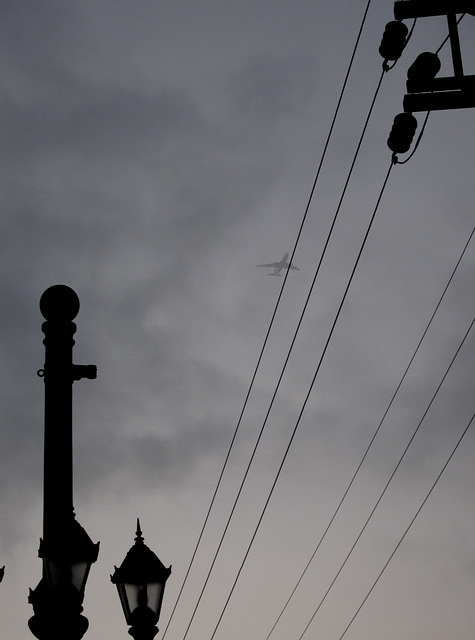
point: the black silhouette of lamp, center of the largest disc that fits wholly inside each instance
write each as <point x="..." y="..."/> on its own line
<point x="66" y="550"/>
<point x="67" y="560"/>
<point x="140" y="582"/>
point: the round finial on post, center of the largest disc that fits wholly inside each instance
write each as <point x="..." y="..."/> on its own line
<point x="59" y="302"/>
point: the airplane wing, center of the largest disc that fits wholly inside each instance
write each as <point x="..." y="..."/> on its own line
<point x="278" y="266"/>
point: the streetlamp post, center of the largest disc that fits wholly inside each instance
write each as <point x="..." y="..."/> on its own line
<point x="140" y="581"/>
<point x="66" y="549"/>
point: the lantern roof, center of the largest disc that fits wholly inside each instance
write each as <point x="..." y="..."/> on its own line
<point x="141" y="565"/>
<point x="70" y="543"/>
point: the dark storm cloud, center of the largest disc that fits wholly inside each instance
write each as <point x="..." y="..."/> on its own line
<point x="95" y="123"/>
<point x="157" y="424"/>
<point x="36" y="37"/>
<point x="270" y="90"/>
<point x="73" y="144"/>
<point x="68" y="163"/>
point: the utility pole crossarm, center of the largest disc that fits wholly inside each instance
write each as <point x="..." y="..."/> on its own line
<point x="425" y="91"/>
<point x="405" y="9"/>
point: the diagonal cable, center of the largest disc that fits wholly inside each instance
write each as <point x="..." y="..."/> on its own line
<point x="345" y="494"/>
<point x="388" y="482"/>
<point x="305" y="401"/>
<point x="256" y="446"/>
<point x="408" y="528"/>
<point x="233" y="439"/>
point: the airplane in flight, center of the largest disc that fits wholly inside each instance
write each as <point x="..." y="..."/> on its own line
<point x="278" y="266"/>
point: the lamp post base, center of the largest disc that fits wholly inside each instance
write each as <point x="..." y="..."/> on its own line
<point x="44" y="629"/>
<point x="57" y="615"/>
<point x="145" y="632"/>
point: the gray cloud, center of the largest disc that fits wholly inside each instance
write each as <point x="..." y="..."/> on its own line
<point x="152" y="156"/>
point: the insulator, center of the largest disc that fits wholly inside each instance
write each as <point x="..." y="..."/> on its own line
<point x="425" y="67"/>
<point x="393" y="41"/>
<point x="402" y="132"/>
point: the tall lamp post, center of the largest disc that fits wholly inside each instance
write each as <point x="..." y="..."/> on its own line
<point x="140" y="581"/>
<point x="66" y="549"/>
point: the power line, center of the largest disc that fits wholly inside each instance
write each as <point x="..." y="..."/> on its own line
<point x="330" y="233"/>
<point x="293" y="252"/>
<point x="407" y="529"/>
<point x="305" y="401"/>
<point x="233" y="439"/>
<point x="388" y="482"/>
<point x="345" y="494"/>
<point x="391" y="401"/>
<point x="266" y="340"/>
<point x="448" y="37"/>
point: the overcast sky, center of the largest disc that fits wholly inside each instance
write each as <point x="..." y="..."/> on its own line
<point x="153" y="153"/>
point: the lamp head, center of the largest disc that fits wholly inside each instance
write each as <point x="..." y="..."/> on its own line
<point x="140" y="582"/>
<point x="59" y="302"/>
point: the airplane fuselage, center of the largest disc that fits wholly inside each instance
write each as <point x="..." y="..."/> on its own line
<point x="278" y="266"/>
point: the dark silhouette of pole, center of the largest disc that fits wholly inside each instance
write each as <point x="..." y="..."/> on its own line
<point x="66" y="549"/>
<point x="59" y="307"/>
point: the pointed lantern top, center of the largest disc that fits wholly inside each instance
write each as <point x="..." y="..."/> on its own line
<point x="141" y="565"/>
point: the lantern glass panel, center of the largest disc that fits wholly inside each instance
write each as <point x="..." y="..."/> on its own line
<point x="124" y="600"/>
<point x="143" y="595"/>
<point x="154" y="592"/>
<point x="54" y="573"/>
<point x="61" y="573"/>
<point x="132" y="595"/>
<point x="79" y="573"/>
